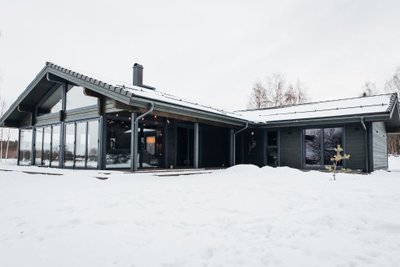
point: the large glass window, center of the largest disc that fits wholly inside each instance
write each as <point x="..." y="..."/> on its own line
<point x="69" y="145"/>
<point x="25" y="146"/>
<point x="313" y="139"/>
<point x="320" y="145"/>
<point x="46" y="146"/>
<point x="38" y="146"/>
<point x="118" y="144"/>
<point x="332" y="138"/>
<point x="55" y="148"/>
<point x="92" y="146"/>
<point x="80" y="155"/>
<point x="77" y="99"/>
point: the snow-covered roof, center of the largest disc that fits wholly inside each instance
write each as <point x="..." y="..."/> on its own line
<point x="157" y="95"/>
<point x="128" y="94"/>
<point x="322" y="109"/>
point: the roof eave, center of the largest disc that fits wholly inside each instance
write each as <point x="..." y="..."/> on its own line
<point x="383" y="116"/>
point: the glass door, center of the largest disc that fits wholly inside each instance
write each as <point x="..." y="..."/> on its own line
<point x="272" y="149"/>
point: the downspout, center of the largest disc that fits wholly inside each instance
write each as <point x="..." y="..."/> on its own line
<point x="365" y="144"/>
<point x="134" y="131"/>
<point x="234" y="142"/>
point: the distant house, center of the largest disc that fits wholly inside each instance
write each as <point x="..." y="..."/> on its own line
<point x="69" y="120"/>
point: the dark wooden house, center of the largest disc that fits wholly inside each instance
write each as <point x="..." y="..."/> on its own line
<point x="69" y="120"/>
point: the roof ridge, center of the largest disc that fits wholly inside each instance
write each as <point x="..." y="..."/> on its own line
<point x="313" y="102"/>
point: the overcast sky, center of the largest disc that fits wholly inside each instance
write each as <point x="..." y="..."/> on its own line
<point x="208" y="51"/>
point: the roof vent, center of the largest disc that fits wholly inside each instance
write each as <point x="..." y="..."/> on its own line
<point x="138" y="77"/>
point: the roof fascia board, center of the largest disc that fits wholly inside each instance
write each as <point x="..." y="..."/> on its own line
<point x="23" y="95"/>
<point x="184" y="111"/>
<point x="87" y="83"/>
<point x="332" y="120"/>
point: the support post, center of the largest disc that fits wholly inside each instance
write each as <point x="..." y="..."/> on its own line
<point x="165" y="144"/>
<point x="232" y="150"/>
<point x="62" y="126"/>
<point x="134" y="141"/>
<point x="101" y="157"/>
<point x="196" y="146"/>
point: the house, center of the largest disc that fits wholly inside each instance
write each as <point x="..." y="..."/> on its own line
<point x="69" y="120"/>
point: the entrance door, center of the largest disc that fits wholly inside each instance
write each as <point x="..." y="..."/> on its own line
<point x="185" y="147"/>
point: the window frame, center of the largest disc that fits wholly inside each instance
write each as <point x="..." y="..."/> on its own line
<point x="322" y="128"/>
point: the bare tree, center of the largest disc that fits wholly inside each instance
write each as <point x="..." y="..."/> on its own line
<point x="258" y="98"/>
<point x="369" y="89"/>
<point x="393" y="84"/>
<point x="276" y="91"/>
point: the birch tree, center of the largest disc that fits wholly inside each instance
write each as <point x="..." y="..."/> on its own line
<point x="276" y="91"/>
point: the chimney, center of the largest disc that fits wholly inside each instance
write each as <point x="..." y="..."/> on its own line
<point x="137" y="74"/>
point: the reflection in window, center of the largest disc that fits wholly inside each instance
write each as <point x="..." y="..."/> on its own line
<point x="313" y="139"/>
<point x="118" y="144"/>
<point x="92" y="146"/>
<point x="46" y="145"/>
<point x="77" y="99"/>
<point x="55" y="148"/>
<point x="69" y="145"/>
<point x="38" y="146"/>
<point x="80" y="155"/>
<point x="332" y="138"/>
<point x="25" y="146"/>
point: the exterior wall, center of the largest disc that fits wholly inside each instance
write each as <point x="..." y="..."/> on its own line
<point x="291" y="143"/>
<point x="355" y="146"/>
<point x="379" y="146"/>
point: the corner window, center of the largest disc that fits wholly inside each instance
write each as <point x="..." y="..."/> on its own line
<point x="320" y="144"/>
<point x="25" y="147"/>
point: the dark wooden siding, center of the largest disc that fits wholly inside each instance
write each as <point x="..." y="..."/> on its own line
<point x="355" y="146"/>
<point x="291" y="147"/>
<point x="379" y="146"/>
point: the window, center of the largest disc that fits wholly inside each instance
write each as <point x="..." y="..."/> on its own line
<point x="320" y="144"/>
<point x="55" y="146"/>
<point x="25" y="147"/>
<point x="332" y="138"/>
<point x="80" y="155"/>
<point x="69" y="145"/>
<point x="38" y="146"/>
<point x="118" y="147"/>
<point x="46" y="146"/>
<point x="81" y="144"/>
<point x="77" y="99"/>
<point x="92" y="146"/>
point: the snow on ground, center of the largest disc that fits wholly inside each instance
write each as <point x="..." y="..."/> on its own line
<point x="242" y="216"/>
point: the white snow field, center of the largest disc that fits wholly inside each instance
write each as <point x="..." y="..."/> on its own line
<point x="241" y="216"/>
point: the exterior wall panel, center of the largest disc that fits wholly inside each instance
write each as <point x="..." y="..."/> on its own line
<point x="355" y="146"/>
<point x="379" y="146"/>
<point x="291" y="147"/>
